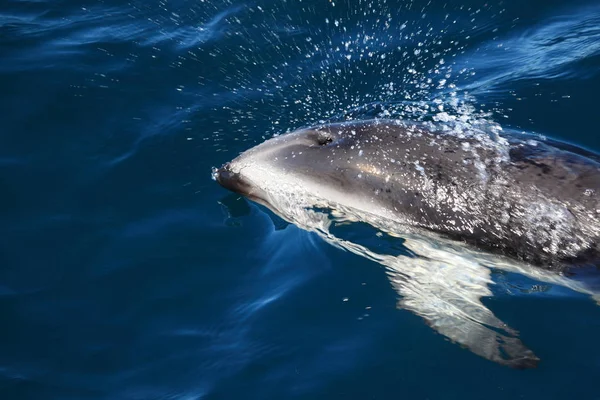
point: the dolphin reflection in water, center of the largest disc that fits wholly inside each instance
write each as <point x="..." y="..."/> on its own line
<point x="465" y="200"/>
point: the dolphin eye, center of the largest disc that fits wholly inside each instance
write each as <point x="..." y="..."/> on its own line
<point x="323" y="138"/>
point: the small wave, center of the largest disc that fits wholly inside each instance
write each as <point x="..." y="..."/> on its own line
<point x="555" y="49"/>
<point x="191" y="36"/>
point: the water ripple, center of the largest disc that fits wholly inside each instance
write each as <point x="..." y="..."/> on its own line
<point x="555" y="49"/>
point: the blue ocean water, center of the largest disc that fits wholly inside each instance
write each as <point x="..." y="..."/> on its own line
<point x="127" y="273"/>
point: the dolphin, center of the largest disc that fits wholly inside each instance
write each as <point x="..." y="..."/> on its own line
<point x="467" y="200"/>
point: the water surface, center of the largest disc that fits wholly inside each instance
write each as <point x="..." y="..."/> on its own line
<point x="127" y="273"/>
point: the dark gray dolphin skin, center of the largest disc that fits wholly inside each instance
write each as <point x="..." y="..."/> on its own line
<point x="525" y="197"/>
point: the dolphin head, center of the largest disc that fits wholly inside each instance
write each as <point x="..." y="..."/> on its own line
<point x="270" y="164"/>
<point x="341" y="163"/>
